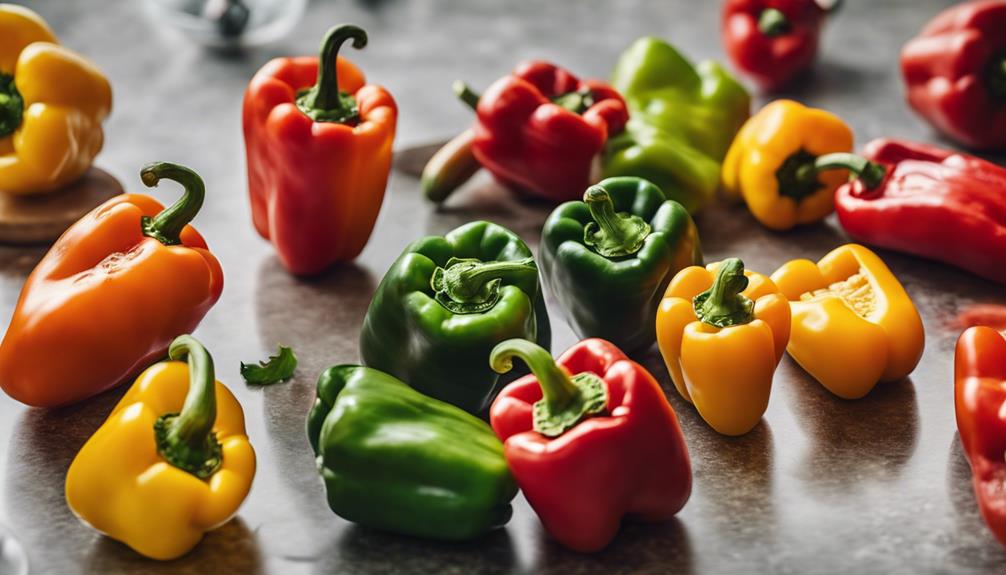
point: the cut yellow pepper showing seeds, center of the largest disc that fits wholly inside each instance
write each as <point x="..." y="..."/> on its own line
<point x="853" y="324"/>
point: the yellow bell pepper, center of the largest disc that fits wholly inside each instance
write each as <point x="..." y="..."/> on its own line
<point x="171" y="462"/>
<point x="722" y="337"/>
<point x="788" y="159"/>
<point x="52" y="104"/>
<point x="853" y="323"/>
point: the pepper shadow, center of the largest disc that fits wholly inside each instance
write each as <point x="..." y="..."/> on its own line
<point x="852" y="442"/>
<point x="363" y="550"/>
<point x="638" y="547"/>
<point x="971" y="544"/>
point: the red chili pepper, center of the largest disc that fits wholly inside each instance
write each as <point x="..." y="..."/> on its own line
<point x="955" y="73"/>
<point x="934" y="203"/>
<point x="590" y="439"/>
<point x="772" y="40"/>
<point x="539" y="129"/>
<point x="980" y="400"/>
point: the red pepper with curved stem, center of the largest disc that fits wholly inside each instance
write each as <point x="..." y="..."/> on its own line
<point x="591" y="439"/>
<point x="772" y="41"/>
<point x="980" y="401"/>
<point x="955" y="73"/>
<point x="538" y="130"/>
<point x="935" y="203"/>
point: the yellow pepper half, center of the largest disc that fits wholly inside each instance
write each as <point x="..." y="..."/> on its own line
<point x="171" y="462"/>
<point x="722" y="331"/>
<point x="52" y="104"/>
<point x="788" y="159"/>
<point x="853" y="323"/>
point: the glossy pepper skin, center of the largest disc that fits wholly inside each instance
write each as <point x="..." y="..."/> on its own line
<point x="853" y="323"/>
<point x="170" y="463"/>
<point x="318" y="145"/>
<point x="444" y="478"/>
<point x="445" y="303"/>
<point x="591" y="439"/>
<point x="788" y="160"/>
<point x="935" y="203"/>
<point x="722" y="348"/>
<point x="52" y="104"/>
<point x="683" y="120"/>
<point x="771" y="41"/>
<point x="109" y="296"/>
<point x="955" y="73"/>
<point x="608" y="259"/>
<point x="980" y="401"/>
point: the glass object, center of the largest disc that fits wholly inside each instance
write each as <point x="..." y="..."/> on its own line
<point x="229" y="23"/>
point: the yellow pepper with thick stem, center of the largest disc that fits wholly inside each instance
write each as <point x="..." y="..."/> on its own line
<point x="171" y="462"/>
<point x="787" y="161"/>
<point x="722" y="330"/>
<point x="854" y="325"/>
<point x="52" y="104"/>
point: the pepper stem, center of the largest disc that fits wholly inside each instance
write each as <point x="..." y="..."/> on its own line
<point x="464" y="93"/>
<point x="186" y="439"/>
<point x="871" y="174"/>
<point x="723" y="304"/>
<point x="323" y="102"/>
<point x="566" y="400"/>
<point x="612" y="234"/>
<point x="996" y="76"/>
<point x="577" y="101"/>
<point x="772" y="22"/>
<point x="472" y="286"/>
<point x="166" y="227"/>
<point x="11" y="106"/>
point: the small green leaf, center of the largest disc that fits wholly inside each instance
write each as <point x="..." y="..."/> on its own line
<point x="278" y="368"/>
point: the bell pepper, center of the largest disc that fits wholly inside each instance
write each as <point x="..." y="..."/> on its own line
<point x="445" y="303"/>
<point x="591" y="439"/>
<point x="853" y="323"/>
<point x="683" y="120"/>
<point x="934" y="203"/>
<point x="318" y="143"/>
<point x="980" y="401"/>
<point x="608" y="259"/>
<point x="52" y="104"/>
<point x="955" y="73"/>
<point x="722" y="330"/>
<point x="396" y="460"/>
<point x="170" y="463"/>
<point x="772" y="41"/>
<point x="110" y="295"/>
<point x="788" y="160"/>
<point x="538" y="131"/>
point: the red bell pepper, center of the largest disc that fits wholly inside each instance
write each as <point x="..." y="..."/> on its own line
<point x="980" y="401"/>
<point x="319" y="154"/>
<point x="772" y="40"/>
<point x="538" y="131"/>
<point x="589" y="438"/>
<point x="955" y="73"/>
<point x="933" y="203"/>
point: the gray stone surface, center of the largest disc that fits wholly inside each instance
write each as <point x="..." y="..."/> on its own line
<point x="821" y="486"/>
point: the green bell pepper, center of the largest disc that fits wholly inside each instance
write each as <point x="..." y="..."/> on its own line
<point x="396" y="460"/>
<point x="609" y="258"/>
<point x="683" y="119"/>
<point x="443" y="306"/>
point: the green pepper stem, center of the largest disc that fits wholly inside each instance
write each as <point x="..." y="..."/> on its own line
<point x="615" y="234"/>
<point x="577" y="101"/>
<point x="871" y="174"/>
<point x="566" y="400"/>
<point x="166" y="227"/>
<point x="723" y="304"/>
<point x="323" y="102"/>
<point x="772" y="22"/>
<point x="465" y="282"/>
<point x="464" y="93"/>
<point x="996" y="76"/>
<point x="186" y="439"/>
<point x="11" y="106"/>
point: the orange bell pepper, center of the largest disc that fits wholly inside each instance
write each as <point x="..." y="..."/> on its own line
<point x="110" y="295"/>
<point x="722" y="330"/>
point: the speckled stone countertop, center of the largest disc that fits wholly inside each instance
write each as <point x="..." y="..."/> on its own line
<point x="823" y="485"/>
